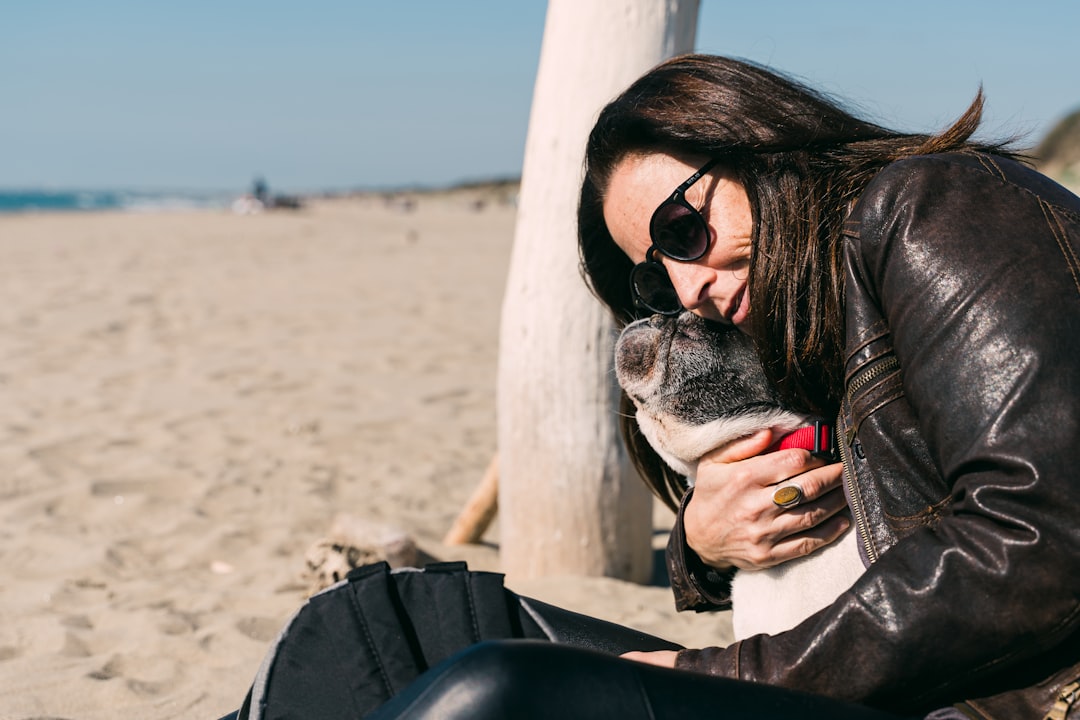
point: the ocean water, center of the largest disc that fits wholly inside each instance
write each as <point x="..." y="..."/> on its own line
<point x="21" y="201"/>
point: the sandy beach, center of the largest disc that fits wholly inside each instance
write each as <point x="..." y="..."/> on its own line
<point x="190" y="399"/>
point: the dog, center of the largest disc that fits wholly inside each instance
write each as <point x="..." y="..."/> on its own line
<point x="695" y="386"/>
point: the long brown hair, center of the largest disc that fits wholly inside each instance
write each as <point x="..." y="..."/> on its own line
<point x="802" y="159"/>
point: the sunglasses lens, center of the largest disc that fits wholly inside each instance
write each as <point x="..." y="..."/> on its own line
<point x="653" y="289"/>
<point x="679" y="231"/>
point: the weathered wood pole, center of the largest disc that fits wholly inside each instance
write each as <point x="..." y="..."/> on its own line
<point x="569" y="501"/>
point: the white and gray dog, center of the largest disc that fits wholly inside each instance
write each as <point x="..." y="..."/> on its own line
<point x="697" y="386"/>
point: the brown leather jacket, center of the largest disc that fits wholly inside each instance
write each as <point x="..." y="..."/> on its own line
<point x="960" y="435"/>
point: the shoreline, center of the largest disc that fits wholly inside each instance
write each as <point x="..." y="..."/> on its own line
<point x="38" y="201"/>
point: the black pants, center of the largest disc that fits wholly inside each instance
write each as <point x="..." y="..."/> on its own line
<point x="449" y="643"/>
<point x="527" y="679"/>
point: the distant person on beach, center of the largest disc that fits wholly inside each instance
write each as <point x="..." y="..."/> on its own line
<point x="260" y="199"/>
<point x="260" y="191"/>
<point x="924" y="290"/>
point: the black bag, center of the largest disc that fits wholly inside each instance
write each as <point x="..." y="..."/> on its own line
<point x="351" y="647"/>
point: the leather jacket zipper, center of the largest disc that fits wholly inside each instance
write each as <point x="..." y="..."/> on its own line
<point x="875" y="369"/>
<point x="844" y="440"/>
<point x="857" y="511"/>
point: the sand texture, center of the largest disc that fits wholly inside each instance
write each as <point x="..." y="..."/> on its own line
<point x="188" y="401"/>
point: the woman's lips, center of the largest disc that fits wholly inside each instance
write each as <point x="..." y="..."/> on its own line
<point x="741" y="308"/>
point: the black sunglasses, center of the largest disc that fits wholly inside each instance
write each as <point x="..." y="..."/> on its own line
<point x="677" y="231"/>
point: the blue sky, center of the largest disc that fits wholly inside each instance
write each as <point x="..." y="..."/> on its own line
<point x="339" y="94"/>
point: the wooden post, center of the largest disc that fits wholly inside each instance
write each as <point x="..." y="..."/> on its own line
<point x="569" y="503"/>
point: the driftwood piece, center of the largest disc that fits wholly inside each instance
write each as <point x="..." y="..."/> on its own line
<point x="352" y="542"/>
<point x="476" y="516"/>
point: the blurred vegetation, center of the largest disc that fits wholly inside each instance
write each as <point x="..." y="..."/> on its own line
<point x="1058" y="155"/>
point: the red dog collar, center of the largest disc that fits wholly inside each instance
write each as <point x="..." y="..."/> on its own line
<point x="816" y="438"/>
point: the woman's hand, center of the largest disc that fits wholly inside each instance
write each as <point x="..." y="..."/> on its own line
<point x="663" y="658"/>
<point x="731" y="520"/>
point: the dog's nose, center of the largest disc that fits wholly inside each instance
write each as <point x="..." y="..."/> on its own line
<point x="688" y="321"/>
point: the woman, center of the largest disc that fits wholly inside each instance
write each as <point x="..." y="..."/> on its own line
<point x="923" y="290"/>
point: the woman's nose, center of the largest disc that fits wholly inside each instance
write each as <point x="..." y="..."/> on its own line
<point x="692" y="282"/>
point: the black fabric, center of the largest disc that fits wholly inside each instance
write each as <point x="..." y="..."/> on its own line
<point x="354" y="646"/>
<point x="448" y="608"/>
<point x="343" y="654"/>
<point x="528" y="680"/>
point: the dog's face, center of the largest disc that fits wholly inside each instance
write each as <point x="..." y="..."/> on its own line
<point x="696" y="385"/>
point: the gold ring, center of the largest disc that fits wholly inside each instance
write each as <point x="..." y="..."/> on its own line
<point x="788" y="496"/>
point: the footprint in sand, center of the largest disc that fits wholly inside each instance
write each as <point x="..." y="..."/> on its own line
<point x="144" y="676"/>
<point x="261" y="629"/>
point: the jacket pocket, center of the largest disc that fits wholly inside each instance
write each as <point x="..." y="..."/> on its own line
<point x="874" y="385"/>
<point x="900" y="487"/>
